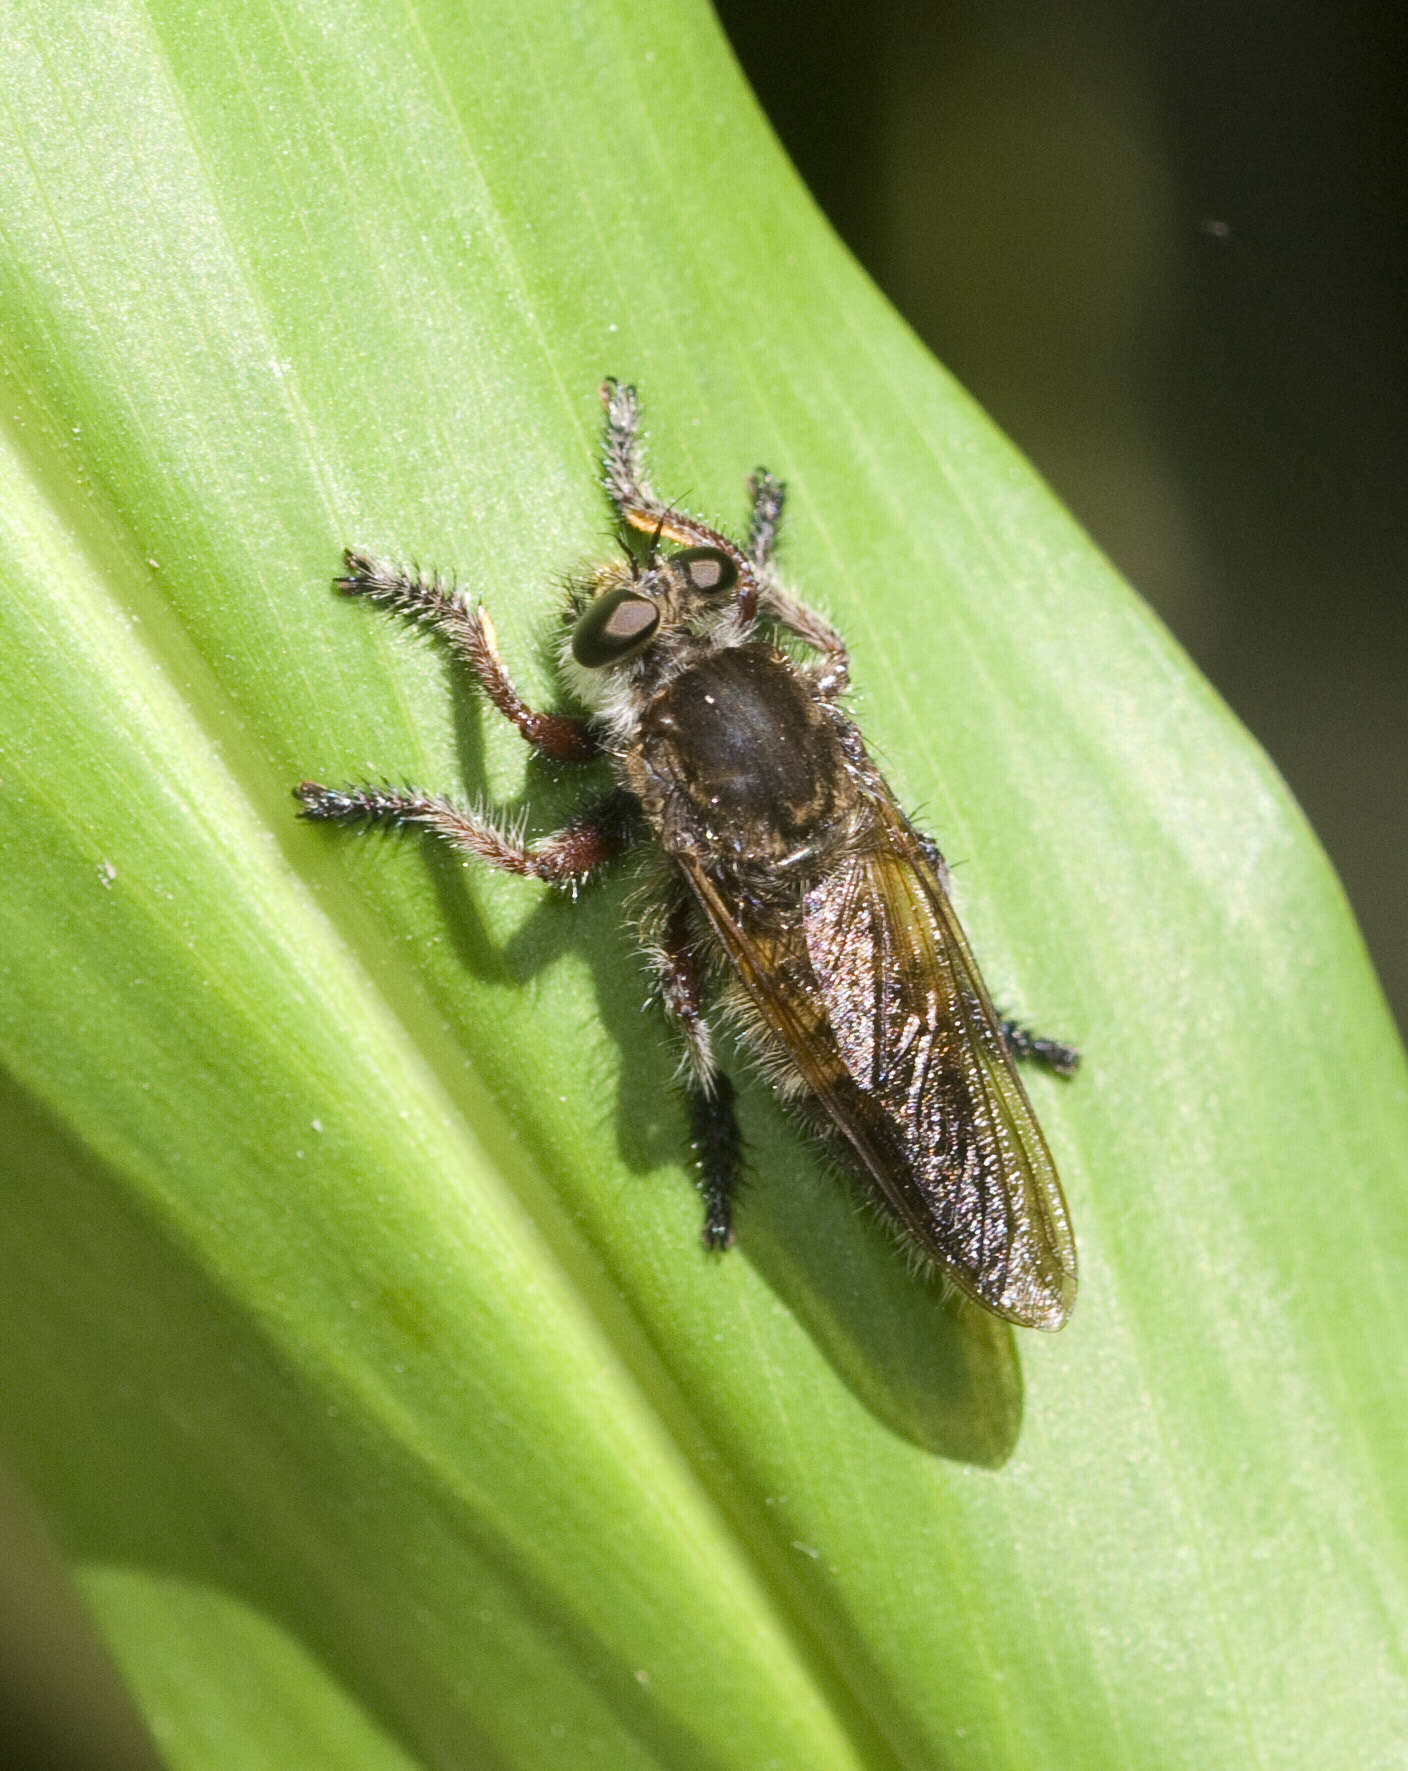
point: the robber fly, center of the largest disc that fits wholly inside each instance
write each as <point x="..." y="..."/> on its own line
<point x="785" y="880"/>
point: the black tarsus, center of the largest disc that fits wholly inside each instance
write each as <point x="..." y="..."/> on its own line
<point x="1023" y="1043"/>
<point x="718" y="1146"/>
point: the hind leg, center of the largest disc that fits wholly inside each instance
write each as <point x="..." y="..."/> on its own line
<point x="713" y="1123"/>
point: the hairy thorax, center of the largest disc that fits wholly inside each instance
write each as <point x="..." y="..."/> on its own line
<point x="736" y="761"/>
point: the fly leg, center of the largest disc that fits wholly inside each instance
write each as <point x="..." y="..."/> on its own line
<point x="933" y="854"/>
<point x="471" y="636"/>
<point x="567" y="857"/>
<point x="713" y="1124"/>
<point x="638" y="506"/>
<point x="765" y="519"/>
<point x="1020" y="1040"/>
<point x="831" y="673"/>
<point x="1023" y="1043"/>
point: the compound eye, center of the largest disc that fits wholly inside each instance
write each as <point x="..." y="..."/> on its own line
<point x="706" y="570"/>
<point x="617" y="624"/>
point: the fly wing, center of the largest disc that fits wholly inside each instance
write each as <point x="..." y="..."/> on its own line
<point x="880" y="1005"/>
<point x="922" y="1042"/>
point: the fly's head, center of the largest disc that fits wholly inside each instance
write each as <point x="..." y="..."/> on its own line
<point x="635" y="624"/>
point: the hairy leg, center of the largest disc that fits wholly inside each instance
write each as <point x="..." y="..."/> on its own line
<point x="713" y="1124"/>
<point x="832" y="674"/>
<point x="470" y="633"/>
<point x="638" y="506"/>
<point x="566" y="857"/>
<point x="1023" y="1043"/>
<point x="765" y="518"/>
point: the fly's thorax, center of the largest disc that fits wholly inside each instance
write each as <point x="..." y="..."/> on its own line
<point x="736" y="760"/>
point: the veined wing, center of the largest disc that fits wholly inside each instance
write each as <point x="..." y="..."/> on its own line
<point x="880" y="1005"/>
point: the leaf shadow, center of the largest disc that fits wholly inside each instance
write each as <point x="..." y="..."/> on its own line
<point x="143" y="1417"/>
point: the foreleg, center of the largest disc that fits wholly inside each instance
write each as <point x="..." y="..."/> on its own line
<point x="765" y="519"/>
<point x="639" y="507"/>
<point x="832" y="674"/>
<point x="471" y="635"/>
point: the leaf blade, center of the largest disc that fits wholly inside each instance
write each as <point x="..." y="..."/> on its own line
<point x="381" y="322"/>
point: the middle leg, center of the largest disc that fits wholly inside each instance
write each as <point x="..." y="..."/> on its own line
<point x="567" y="857"/>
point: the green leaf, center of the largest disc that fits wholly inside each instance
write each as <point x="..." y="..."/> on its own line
<point x="359" y="1347"/>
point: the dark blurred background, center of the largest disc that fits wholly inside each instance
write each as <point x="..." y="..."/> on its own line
<point x="1165" y="247"/>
